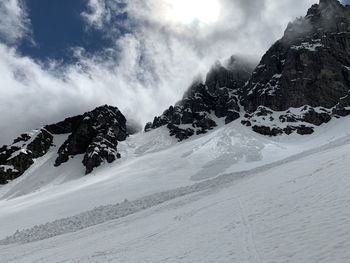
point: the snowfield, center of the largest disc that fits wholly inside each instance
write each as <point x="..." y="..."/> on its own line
<point x="228" y="196"/>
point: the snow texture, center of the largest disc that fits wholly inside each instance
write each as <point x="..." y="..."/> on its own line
<point x="228" y="196"/>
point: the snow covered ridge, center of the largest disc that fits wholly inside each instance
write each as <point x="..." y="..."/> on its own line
<point x="307" y="69"/>
<point x="94" y="134"/>
<point x="301" y="120"/>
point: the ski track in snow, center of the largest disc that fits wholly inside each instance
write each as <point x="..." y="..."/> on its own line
<point x="107" y="213"/>
<point x="249" y="239"/>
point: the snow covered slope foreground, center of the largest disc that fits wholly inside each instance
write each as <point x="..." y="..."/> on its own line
<point x="228" y="196"/>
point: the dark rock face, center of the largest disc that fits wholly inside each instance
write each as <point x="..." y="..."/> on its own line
<point x="64" y="127"/>
<point x="264" y="130"/>
<point x="18" y="157"/>
<point x="218" y="97"/>
<point x="309" y="66"/>
<point x="302" y="81"/>
<point x="102" y="148"/>
<point x="95" y="134"/>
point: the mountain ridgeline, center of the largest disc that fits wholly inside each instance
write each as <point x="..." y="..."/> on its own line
<point x="302" y="82"/>
<point x="218" y="97"/>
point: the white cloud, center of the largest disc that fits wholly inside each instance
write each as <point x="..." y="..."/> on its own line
<point x="146" y="71"/>
<point x="32" y="95"/>
<point x="14" y="23"/>
<point x="97" y="13"/>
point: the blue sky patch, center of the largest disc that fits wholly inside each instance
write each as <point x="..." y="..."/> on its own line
<point x="57" y="27"/>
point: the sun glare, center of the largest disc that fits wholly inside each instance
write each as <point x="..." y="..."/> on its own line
<point x="190" y="11"/>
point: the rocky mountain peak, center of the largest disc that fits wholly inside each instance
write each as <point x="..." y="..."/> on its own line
<point x="233" y="73"/>
<point x="329" y="4"/>
<point x="94" y="134"/>
<point x="308" y="69"/>
<point x="327" y="16"/>
<point x="301" y="82"/>
<point x="203" y="102"/>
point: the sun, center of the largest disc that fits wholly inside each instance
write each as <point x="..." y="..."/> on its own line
<point x="190" y="11"/>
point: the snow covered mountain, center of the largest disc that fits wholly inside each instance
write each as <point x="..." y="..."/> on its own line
<point x="301" y="82"/>
<point x="207" y="181"/>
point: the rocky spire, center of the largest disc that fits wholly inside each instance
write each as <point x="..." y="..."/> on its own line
<point x="327" y="3"/>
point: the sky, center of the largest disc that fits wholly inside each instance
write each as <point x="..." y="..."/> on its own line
<point x="59" y="58"/>
<point x="57" y="26"/>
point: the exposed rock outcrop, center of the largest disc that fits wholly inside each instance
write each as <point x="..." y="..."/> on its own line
<point x="302" y="81"/>
<point x="95" y="134"/>
<point x="308" y="67"/>
<point x="18" y="157"/>
<point x="203" y="103"/>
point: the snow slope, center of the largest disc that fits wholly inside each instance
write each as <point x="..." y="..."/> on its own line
<point x="228" y="196"/>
